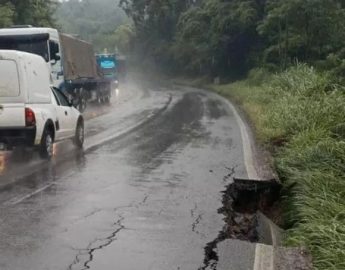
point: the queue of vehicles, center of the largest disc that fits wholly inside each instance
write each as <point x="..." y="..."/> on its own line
<point x="46" y="81"/>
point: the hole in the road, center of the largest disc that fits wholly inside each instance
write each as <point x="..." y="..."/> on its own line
<point x="243" y="200"/>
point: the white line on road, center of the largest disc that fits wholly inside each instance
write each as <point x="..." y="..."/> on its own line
<point x="15" y="201"/>
<point x="247" y="144"/>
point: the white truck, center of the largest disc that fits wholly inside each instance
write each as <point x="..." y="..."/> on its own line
<point x="72" y="62"/>
<point x="32" y="112"/>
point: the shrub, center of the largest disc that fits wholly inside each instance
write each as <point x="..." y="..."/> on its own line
<point x="304" y="110"/>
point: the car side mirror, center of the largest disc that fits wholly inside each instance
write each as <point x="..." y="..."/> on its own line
<point x="57" y="57"/>
<point x="58" y="74"/>
<point x="72" y="102"/>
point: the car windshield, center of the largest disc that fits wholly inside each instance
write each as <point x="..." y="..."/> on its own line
<point x="39" y="47"/>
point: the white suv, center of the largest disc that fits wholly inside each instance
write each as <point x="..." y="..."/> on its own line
<point x="31" y="112"/>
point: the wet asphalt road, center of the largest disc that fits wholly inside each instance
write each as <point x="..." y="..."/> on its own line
<point x="143" y="195"/>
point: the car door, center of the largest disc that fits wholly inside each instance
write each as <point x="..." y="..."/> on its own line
<point x="60" y="125"/>
<point x="65" y="115"/>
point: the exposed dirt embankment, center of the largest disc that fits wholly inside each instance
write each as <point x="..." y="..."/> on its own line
<point x="243" y="200"/>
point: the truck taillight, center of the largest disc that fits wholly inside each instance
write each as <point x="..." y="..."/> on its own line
<point x="30" y="119"/>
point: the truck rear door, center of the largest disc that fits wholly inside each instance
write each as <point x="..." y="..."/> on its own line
<point x="12" y="115"/>
<point x="12" y="108"/>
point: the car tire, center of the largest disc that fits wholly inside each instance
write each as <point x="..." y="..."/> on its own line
<point x="107" y="100"/>
<point x="99" y="99"/>
<point x="46" y="146"/>
<point x="81" y="104"/>
<point x="79" y="134"/>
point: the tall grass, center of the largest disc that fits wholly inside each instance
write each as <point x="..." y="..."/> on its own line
<point x="300" y="114"/>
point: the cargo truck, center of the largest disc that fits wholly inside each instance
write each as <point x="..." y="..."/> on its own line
<point x="71" y="61"/>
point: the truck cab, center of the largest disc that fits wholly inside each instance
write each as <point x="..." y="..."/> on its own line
<point x="107" y="63"/>
<point x="71" y="62"/>
<point x="40" y="41"/>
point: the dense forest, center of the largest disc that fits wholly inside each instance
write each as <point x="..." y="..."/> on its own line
<point x="230" y="37"/>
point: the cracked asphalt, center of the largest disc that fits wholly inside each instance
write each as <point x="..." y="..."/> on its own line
<point x="143" y="195"/>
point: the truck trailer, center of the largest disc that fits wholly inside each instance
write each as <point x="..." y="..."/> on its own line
<point x="71" y="61"/>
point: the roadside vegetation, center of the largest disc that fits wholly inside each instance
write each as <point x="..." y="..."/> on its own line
<point x="299" y="115"/>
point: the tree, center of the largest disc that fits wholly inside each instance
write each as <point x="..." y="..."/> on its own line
<point x="6" y="14"/>
<point x="34" y="12"/>
<point x="93" y="20"/>
<point x="306" y="30"/>
<point x="123" y="37"/>
<point x="229" y="37"/>
<point x="218" y="36"/>
<point x="155" y="22"/>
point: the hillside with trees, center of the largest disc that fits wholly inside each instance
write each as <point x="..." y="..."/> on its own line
<point x="20" y="12"/>
<point x="93" y="20"/>
<point x="230" y="37"/>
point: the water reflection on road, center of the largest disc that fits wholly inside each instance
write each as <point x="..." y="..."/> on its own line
<point x="147" y="199"/>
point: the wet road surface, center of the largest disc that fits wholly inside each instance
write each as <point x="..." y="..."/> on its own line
<point x="146" y="197"/>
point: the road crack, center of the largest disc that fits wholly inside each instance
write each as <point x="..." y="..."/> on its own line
<point x="196" y="223"/>
<point x="230" y="174"/>
<point x="86" y="256"/>
<point x="192" y="211"/>
<point x="144" y="200"/>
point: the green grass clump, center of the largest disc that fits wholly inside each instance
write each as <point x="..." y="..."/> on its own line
<point x="300" y="115"/>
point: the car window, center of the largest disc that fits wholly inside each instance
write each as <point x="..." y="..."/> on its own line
<point x="61" y="99"/>
<point x="9" y="79"/>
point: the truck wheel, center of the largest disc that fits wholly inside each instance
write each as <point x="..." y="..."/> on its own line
<point x="79" y="134"/>
<point x="82" y="104"/>
<point x="46" y="146"/>
<point x="99" y="99"/>
<point x="107" y="100"/>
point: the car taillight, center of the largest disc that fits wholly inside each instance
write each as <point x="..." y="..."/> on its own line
<point x="30" y="119"/>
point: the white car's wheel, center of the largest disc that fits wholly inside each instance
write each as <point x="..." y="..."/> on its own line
<point x="79" y="134"/>
<point x="46" y="146"/>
